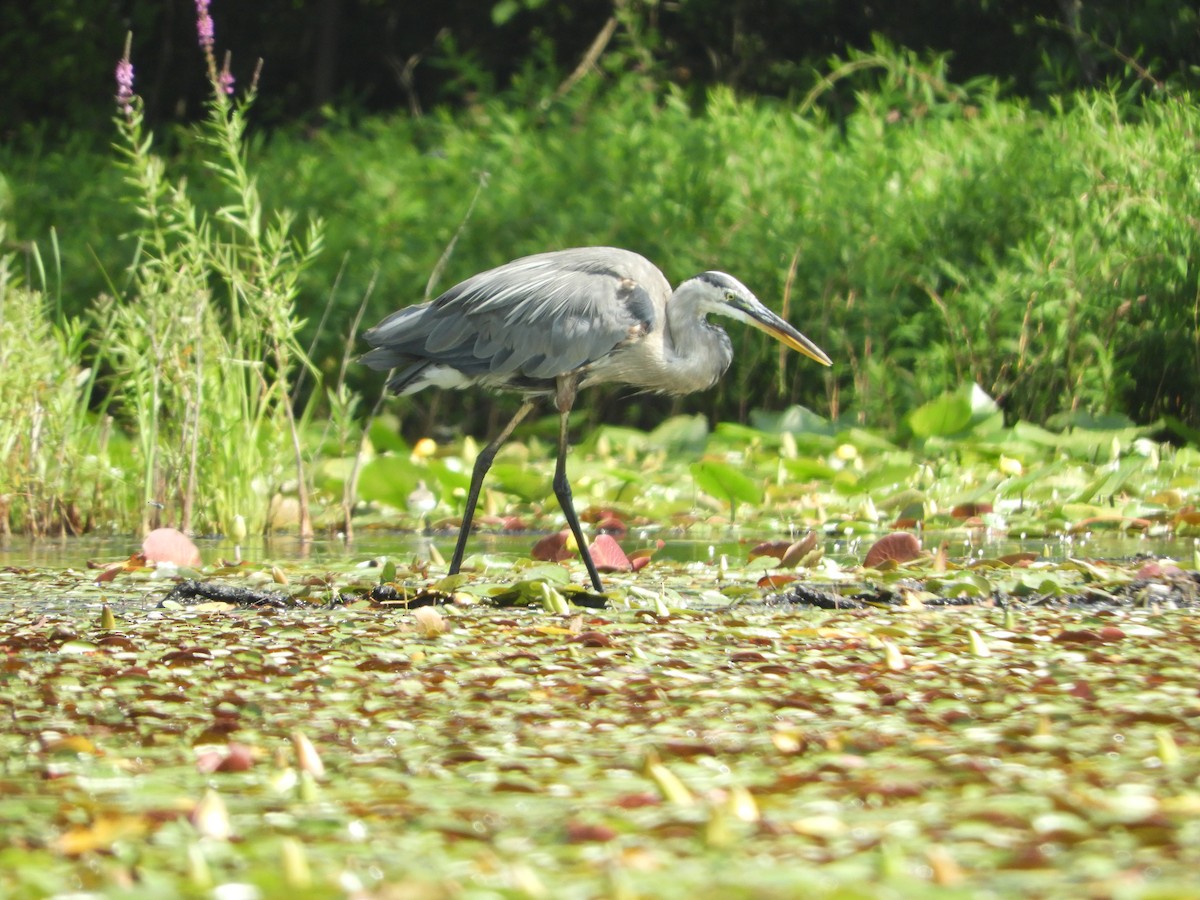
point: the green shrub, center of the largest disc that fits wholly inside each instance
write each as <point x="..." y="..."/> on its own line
<point x="939" y="234"/>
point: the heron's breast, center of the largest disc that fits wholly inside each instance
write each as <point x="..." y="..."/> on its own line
<point x="642" y="365"/>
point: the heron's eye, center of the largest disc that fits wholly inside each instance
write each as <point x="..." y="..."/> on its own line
<point x="730" y="296"/>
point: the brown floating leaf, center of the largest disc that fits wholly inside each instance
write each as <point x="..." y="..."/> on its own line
<point x="170" y="545"/>
<point x="638" y="800"/>
<point x="1078" y="636"/>
<point x="592" y="639"/>
<point x="640" y="558"/>
<point x="774" y="549"/>
<point x="235" y="758"/>
<point x="970" y="510"/>
<point x="597" y="514"/>
<point x="552" y="548"/>
<point x="608" y="555"/>
<point x="612" y="525"/>
<point x="583" y="832"/>
<point x="238" y="758"/>
<point x="797" y="551"/>
<point x="899" y="546"/>
<point x="775" y="582"/>
<point x="1154" y="570"/>
<point x="1018" y="560"/>
<point x="1114" y="521"/>
<point x="1082" y="690"/>
<point x="110" y="571"/>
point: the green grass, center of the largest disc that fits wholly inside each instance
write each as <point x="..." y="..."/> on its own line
<point x="55" y="451"/>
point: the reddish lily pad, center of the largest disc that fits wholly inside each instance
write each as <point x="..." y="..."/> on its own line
<point x="899" y="547"/>
<point x="774" y="549"/>
<point x="552" y="548"/>
<point x="797" y="551"/>
<point x="608" y="555"/>
<point x="970" y="510"/>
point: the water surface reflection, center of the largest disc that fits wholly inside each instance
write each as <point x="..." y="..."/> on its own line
<point x="734" y="545"/>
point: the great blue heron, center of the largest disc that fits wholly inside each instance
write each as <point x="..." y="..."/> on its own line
<point x="549" y="324"/>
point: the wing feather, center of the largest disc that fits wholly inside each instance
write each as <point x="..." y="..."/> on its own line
<point x="529" y="320"/>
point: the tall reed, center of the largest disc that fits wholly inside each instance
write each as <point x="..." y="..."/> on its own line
<point x="202" y="341"/>
<point x="55" y="472"/>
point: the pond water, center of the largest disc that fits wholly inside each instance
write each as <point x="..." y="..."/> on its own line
<point x="734" y="545"/>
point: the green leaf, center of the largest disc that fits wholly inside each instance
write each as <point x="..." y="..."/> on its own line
<point x="734" y="434"/>
<point x="504" y="10"/>
<point x="1180" y="429"/>
<point x="448" y="479"/>
<point x="726" y="482"/>
<point x="1109" y="484"/>
<point x="796" y="419"/>
<point x="389" y="479"/>
<point x="1015" y="487"/>
<point x="519" y="480"/>
<point x="940" y="417"/>
<point x="807" y="468"/>
<point x="969" y="407"/>
<point x="384" y="433"/>
<point x="683" y="434"/>
<point x="332" y="472"/>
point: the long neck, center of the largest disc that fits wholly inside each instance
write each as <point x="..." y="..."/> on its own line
<point x="696" y="350"/>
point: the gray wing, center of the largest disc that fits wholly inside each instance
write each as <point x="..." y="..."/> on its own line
<point x="527" y="321"/>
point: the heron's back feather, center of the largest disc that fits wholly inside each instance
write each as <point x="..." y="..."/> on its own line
<point x="523" y="324"/>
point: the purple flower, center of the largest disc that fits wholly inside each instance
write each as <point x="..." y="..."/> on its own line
<point x="204" y="26"/>
<point x="125" y="86"/>
<point x="225" y="80"/>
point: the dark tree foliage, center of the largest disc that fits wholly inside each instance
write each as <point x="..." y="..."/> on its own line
<point x="56" y="59"/>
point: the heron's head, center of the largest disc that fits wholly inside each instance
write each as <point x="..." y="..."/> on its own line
<point x="724" y="295"/>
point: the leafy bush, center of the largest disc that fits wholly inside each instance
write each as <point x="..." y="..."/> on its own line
<point x="939" y="235"/>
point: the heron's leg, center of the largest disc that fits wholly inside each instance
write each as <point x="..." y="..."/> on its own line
<point x="483" y="462"/>
<point x="562" y="488"/>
